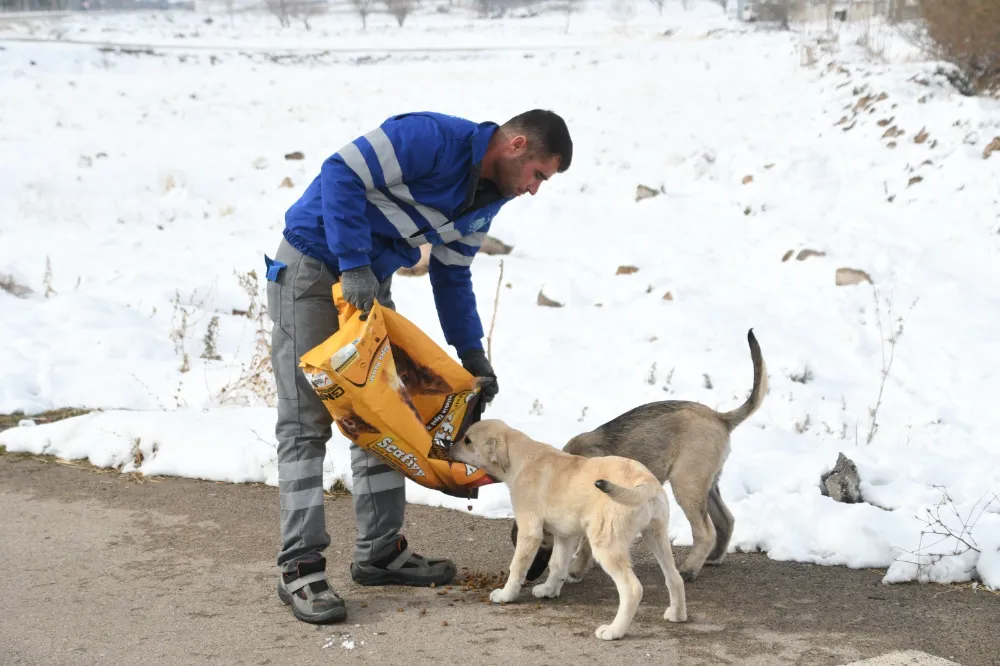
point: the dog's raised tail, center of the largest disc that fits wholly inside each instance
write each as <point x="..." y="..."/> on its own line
<point x="632" y="496"/>
<point x="757" y="393"/>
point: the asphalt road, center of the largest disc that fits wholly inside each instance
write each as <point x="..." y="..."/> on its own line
<point x="101" y="568"/>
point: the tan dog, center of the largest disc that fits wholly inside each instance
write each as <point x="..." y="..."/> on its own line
<point x="607" y="500"/>
<point x="685" y="443"/>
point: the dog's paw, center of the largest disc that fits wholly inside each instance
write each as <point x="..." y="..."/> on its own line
<point x="545" y="591"/>
<point x="577" y="573"/>
<point x="688" y="575"/>
<point x="674" y="614"/>
<point x="501" y="596"/>
<point x="607" y="633"/>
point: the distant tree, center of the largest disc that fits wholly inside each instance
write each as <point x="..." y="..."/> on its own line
<point x="572" y="7"/>
<point x="280" y="9"/>
<point x="400" y="9"/>
<point x="363" y="8"/>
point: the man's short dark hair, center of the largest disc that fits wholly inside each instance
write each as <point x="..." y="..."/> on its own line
<point x="546" y="132"/>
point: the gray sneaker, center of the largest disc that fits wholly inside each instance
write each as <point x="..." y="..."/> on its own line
<point x="404" y="567"/>
<point x="310" y="596"/>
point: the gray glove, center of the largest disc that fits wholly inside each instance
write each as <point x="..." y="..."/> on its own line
<point x="359" y="287"/>
<point x="478" y="365"/>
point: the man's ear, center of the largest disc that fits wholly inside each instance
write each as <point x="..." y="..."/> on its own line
<point x="519" y="144"/>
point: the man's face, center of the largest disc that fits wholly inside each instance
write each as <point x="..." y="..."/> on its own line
<point x="521" y="170"/>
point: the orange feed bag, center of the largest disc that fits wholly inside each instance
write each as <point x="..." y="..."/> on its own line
<point x="395" y="393"/>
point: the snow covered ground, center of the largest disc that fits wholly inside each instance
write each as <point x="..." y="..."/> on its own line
<point x="136" y="189"/>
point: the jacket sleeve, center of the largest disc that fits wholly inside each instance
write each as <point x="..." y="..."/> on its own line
<point x="403" y="148"/>
<point x="451" y="282"/>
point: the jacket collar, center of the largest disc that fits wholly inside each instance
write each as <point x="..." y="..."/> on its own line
<point x="481" y="139"/>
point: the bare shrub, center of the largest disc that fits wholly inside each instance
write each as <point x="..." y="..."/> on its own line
<point x="803" y="377"/>
<point x="179" y="325"/>
<point x="47" y="278"/>
<point x="896" y="333"/>
<point x="493" y="321"/>
<point x="947" y="532"/>
<point x="257" y="378"/>
<point x="211" y="341"/>
<point x="873" y="38"/>
<point x="184" y="319"/>
<point x="966" y="34"/>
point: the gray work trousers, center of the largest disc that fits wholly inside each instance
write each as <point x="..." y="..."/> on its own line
<point x="300" y="303"/>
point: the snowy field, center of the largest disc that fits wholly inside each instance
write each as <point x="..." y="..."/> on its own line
<point x="137" y="188"/>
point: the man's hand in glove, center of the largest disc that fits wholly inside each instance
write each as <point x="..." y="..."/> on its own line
<point x="359" y="287"/>
<point x="476" y="363"/>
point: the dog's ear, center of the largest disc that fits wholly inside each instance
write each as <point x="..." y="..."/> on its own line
<point x="497" y="445"/>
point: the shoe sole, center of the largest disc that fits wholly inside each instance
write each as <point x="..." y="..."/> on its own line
<point x="335" y="614"/>
<point x="369" y="578"/>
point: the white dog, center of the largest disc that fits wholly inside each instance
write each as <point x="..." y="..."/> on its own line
<point x="608" y="499"/>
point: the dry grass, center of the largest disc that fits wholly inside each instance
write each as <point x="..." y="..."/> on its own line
<point x="132" y="477"/>
<point x="11" y="420"/>
<point x="972" y="585"/>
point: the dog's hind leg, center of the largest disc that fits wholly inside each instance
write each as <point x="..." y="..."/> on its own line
<point x="529" y="538"/>
<point x="582" y="563"/>
<point x="541" y="560"/>
<point x="616" y="562"/>
<point x="723" y="521"/>
<point x="695" y="507"/>
<point x="562" y="553"/>
<point x="659" y="542"/>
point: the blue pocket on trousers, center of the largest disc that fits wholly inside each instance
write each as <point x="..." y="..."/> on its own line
<point x="274" y="267"/>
